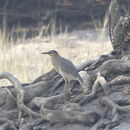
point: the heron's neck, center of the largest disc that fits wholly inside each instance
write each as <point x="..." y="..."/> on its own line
<point x="55" y="62"/>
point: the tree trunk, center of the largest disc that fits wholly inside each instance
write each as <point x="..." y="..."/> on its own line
<point x="119" y="29"/>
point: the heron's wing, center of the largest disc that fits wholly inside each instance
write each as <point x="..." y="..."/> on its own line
<point x="69" y="69"/>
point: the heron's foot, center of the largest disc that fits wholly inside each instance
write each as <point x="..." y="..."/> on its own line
<point x="66" y="90"/>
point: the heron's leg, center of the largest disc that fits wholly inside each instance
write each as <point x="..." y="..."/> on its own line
<point x="65" y="85"/>
<point x="65" y="82"/>
<point x="68" y="86"/>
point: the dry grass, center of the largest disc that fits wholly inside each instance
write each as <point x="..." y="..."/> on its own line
<point x="26" y="62"/>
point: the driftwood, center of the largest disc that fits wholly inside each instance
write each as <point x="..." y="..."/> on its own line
<point x="105" y="103"/>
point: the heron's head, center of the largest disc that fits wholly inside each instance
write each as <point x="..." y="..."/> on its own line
<point x="51" y="53"/>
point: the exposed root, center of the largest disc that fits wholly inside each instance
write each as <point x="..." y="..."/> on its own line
<point x="105" y="125"/>
<point x="114" y="66"/>
<point x="89" y="97"/>
<point x="4" y="126"/>
<point x="115" y="117"/>
<point x="10" y="94"/>
<point x="103" y="83"/>
<point x="101" y="124"/>
<point x="99" y="61"/>
<point x="84" y="98"/>
<point x="20" y="95"/>
<point x="85" y="65"/>
<point x="26" y="126"/>
<point x="115" y="111"/>
<point x="72" y="107"/>
<point x="56" y="86"/>
<point x="8" y="122"/>
<point x="58" y="116"/>
<point x="51" y="102"/>
<point x="66" y="114"/>
<point x="115" y="106"/>
<point x="121" y="79"/>
<point x="86" y="81"/>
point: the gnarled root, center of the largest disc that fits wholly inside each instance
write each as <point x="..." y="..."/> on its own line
<point x="115" y="113"/>
<point x="54" y="110"/>
<point x="114" y="66"/>
<point x="100" y="81"/>
<point x="58" y="116"/>
<point x="100" y="61"/>
<point x="7" y="124"/>
<point x="121" y="79"/>
<point x="105" y="124"/>
<point x="52" y="102"/>
<point x="20" y="95"/>
<point x="115" y="106"/>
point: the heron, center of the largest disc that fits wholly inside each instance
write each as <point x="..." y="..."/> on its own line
<point x="65" y="68"/>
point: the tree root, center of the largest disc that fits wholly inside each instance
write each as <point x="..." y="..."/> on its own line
<point x="113" y="66"/>
<point x="51" y="102"/>
<point x="20" y="95"/>
<point x="25" y="126"/>
<point x="99" y="61"/>
<point x="121" y="79"/>
<point x="115" y="113"/>
<point x="59" y="108"/>
<point x="56" y="86"/>
<point x="58" y="116"/>
<point x="86" y="81"/>
<point x="49" y="112"/>
<point x="84" y="98"/>
<point x="85" y="65"/>
<point x="115" y="106"/>
<point x="6" y="124"/>
<point x="106" y="125"/>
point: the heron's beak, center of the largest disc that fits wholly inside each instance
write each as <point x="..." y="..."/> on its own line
<point x="45" y="53"/>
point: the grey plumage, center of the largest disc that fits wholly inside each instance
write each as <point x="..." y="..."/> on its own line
<point x="64" y="67"/>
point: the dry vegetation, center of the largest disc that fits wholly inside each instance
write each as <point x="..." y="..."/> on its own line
<point x="26" y="62"/>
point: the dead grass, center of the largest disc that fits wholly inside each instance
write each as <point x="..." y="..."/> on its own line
<point x="26" y="62"/>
